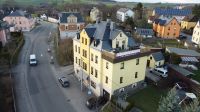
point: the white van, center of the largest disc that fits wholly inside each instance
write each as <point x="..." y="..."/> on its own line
<point x="160" y="71"/>
<point x="33" y="60"/>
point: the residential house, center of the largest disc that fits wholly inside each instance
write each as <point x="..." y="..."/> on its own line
<point x="70" y="23"/>
<point x="4" y="33"/>
<point x="43" y="17"/>
<point x="145" y="33"/>
<point x="107" y="60"/>
<point x="156" y="59"/>
<point x="170" y="13"/>
<point x="169" y="29"/>
<point x="189" y="22"/>
<point x="94" y="14"/>
<point x="196" y="34"/>
<point x="21" y="20"/>
<point x="123" y="13"/>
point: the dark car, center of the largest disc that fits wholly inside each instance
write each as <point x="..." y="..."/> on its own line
<point x="64" y="81"/>
<point x="94" y="102"/>
<point x="182" y="37"/>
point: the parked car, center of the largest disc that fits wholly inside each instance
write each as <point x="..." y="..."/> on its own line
<point x="64" y="81"/>
<point x="160" y="71"/>
<point x="182" y="37"/>
<point x="94" y="102"/>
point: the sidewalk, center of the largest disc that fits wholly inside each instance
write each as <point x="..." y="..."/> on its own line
<point x="73" y="94"/>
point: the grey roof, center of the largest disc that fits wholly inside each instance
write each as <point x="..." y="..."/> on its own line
<point x="64" y="15"/>
<point x="180" y="70"/>
<point x="90" y="31"/>
<point x="158" y="56"/>
<point x="19" y="13"/>
<point x="114" y="33"/>
<point x="123" y="10"/>
<point x="103" y="33"/>
<point x="183" y="52"/>
<point x="163" y="21"/>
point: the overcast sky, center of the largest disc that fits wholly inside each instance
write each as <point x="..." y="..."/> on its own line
<point x="164" y="1"/>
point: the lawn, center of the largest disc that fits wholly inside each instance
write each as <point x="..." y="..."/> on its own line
<point x="197" y="75"/>
<point x="147" y="99"/>
<point x="157" y="42"/>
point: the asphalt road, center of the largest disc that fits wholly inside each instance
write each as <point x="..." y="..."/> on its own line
<point x="37" y="89"/>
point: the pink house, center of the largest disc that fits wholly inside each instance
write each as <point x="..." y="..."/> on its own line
<point x="4" y="33"/>
<point x="21" y="20"/>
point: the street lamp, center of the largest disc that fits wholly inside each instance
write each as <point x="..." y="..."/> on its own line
<point x="81" y="66"/>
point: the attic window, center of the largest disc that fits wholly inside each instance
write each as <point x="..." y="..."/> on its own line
<point x="120" y="34"/>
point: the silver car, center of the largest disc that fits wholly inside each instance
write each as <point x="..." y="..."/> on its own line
<point x="64" y="81"/>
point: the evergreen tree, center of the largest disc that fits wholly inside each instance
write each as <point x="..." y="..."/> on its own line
<point x="196" y="10"/>
<point x="193" y="107"/>
<point x="170" y="102"/>
<point x="139" y="10"/>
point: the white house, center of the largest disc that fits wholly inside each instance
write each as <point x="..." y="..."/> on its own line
<point x="196" y="34"/>
<point x="123" y="13"/>
<point x="94" y="14"/>
<point x="43" y="16"/>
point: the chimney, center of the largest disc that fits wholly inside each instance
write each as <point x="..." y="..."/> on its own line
<point x="112" y="25"/>
<point x="78" y="36"/>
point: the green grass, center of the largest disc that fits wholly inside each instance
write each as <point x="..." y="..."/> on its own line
<point x="197" y="75"/>
<point x="147" y="99"/>
<point x="166" y="42"/>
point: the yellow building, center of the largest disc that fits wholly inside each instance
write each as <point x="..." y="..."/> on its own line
<point x="189" y="22"/>
<point x="107" y="61"/>
<point x="155" y="60"/>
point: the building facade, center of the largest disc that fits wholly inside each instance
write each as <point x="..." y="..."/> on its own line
<point x="70" y="23"/>
<point x="94" y="14"/>
<point x="189" y="22"/>
<point x="196" y="34"/>
<point x="107" y="61"/>
<point x="123" y="13"/>
<point x="169" y="29"/>
<point x="21" y="20"/>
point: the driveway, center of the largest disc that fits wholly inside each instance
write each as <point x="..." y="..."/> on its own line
<point x="151" y="76"/>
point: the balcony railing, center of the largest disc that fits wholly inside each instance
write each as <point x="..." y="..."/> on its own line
<point x="113" y="55"/>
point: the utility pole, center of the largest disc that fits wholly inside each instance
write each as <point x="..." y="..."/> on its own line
<point x="81" y="74"/>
